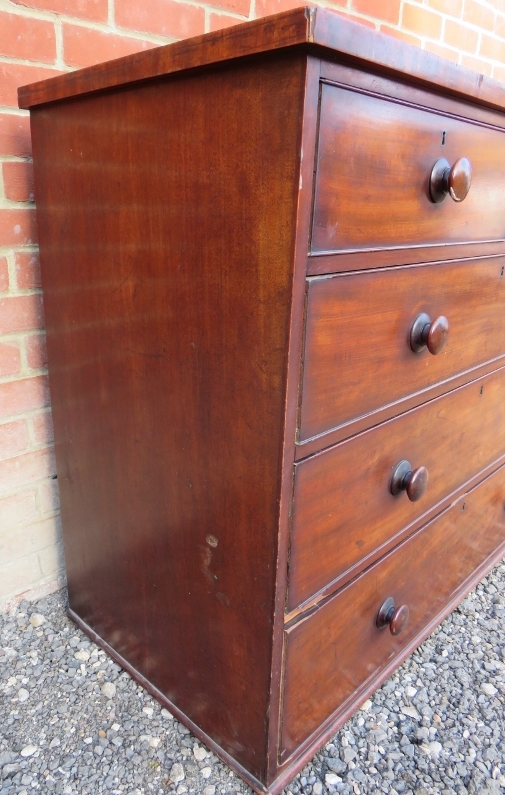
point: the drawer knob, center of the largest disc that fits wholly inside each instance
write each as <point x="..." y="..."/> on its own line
<point x="427" y="334"/>
<point x="395" y="617"/>
<point x="454" y="181"/>
<point x="414" y="482"/>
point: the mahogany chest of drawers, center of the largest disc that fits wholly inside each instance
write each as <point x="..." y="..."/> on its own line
<point x="273" y="267"/>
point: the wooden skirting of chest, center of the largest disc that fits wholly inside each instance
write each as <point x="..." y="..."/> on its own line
<point x="273" y="268"/>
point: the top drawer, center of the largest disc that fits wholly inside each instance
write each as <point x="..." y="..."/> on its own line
<point x="375" y="158"/>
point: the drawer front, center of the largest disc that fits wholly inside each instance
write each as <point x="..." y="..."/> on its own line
<point x="344" y="514"/>
<point x="358" y="358"/>
<point x="374" y="162"/>
<point x="334" y="654"/>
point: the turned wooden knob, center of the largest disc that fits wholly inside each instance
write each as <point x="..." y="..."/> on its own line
<point x="414" y="482"/>
<point x="392" y="616"/>
<point x="427" y="334"/>
<point x="454" y="181"/>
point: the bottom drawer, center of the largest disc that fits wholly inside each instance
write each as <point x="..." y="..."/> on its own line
<point x="336" y="653"/>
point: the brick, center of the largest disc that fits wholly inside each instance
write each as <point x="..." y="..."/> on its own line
<point x="422" y="21"/>
<point x="492" y="48"/>
<point x="163" y="17"/>
<point x="19" y="576"/>
<point x="386" y="10"/>
<point x="84" y="47"/>
<point x="27" y="265"/>
<point x="43" y="587"/>
<point x="453" y="8"/>
<point x="460" y="36"/>
<point x="443" y="52"/>
<point x="18" y="181"/>
<point x="401" y="35"/>
<point x="499" y="27"/>
<point x="354" y="17"/>
<point x="52" y="560"/>
<point x="27" y="468"/>
<point x="220" y="21"/>
<point x="18" y="227"/>
<point x="13" y="439"/>
<point x="96" y="10"/>
<point x="25" y="540"/>
<point x="49" y="497"/>
<point x="477" y="65"/>
<point x="17" y="509"/>
<point x="21" y="313"/>
<point x="479" y="15"/>
<point x="242" y="7"/>
<point x="499" y="73"/>
<point x="15" y="135"/>
<point x="10" y="359"/>
<point x="13" y="75"/>
<point x="4" y="274"/>
<point x="36" y="353"/>
<point x="266" y="7"/>
<point x="24" y="37"/>
<point x="26" y="394"/>
<point x="42" y="428"/>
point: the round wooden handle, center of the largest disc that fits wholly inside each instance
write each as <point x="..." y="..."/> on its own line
<point x="413" y="481"/>
<point x="399" y="619"/>
<point x="427" y="334"/>
<point x="392" y="616"/>
<point x="460" y="179"/>
<point x="455" y="180"/>
<point x="416" y="483"/>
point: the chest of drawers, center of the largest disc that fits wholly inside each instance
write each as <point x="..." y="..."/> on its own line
<point x="277" y="362"/>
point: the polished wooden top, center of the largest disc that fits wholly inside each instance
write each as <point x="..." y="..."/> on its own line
<point x="317" y="30"/>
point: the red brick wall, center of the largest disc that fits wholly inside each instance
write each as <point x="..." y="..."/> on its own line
<point x="39" y="38"/>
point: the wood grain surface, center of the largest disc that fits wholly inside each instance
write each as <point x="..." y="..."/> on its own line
<point x="332" y="654"/>
<point x="316" y="30"/>
<point x="358" y="357"/>
<point x="188" y="352"/>
<point x="375" y="158"/>
<point x="344" y="515"/>
<point x="167" y="266"/>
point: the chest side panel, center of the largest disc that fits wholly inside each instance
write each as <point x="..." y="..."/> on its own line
<point x="166" y="215"/>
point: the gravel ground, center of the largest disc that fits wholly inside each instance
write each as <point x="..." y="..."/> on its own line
<point x="73" y="722"/>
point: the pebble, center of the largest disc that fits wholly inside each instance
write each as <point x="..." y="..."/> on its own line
<point x="37" y="619"/>
<point x="23" y="695"/>
<point x="82" y="655"/>
<point x="28" y="750"/>
<point x="411" y="713"/>
<point x="433" y="728"/>
<point x="435" y="748"/>
<point x="109" y="690"/>
<point x="177" y="773"/>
